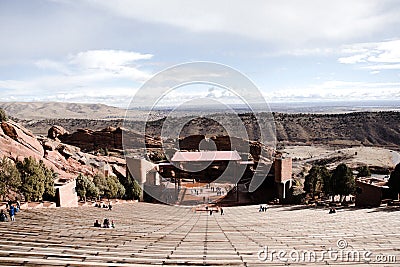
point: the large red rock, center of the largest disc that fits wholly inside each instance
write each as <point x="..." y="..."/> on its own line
<point x="68" y="161"/>
<point x="55" y="131"/>
<point x="22" y="136"/>
<point x="23" y="145"/>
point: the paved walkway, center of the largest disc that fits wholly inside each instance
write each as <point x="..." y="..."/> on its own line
<point x="149" y="234"/>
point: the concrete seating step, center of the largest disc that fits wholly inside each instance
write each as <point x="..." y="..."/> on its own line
<point x="150" y="234"/>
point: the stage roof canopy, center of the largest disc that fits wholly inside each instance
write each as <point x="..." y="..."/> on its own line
<point x="180" y="156"/>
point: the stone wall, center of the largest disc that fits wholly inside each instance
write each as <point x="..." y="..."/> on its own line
<point x="66" y="194"/>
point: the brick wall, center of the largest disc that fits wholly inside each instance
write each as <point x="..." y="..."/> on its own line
<point x="283" y="169"/>
<point x="368" y="195"/>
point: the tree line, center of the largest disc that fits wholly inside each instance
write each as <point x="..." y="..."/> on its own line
<point x="341" y="180"/>
<point x="35" y="182"/>
<point x="110" y="187"/>
<point x="29" y="177"/>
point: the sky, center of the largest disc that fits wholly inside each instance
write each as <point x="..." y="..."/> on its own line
<point x="101" y="51"/>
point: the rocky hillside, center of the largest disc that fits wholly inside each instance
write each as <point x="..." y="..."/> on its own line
<point x="367" y="128"/>
<point x="16" y="143"/>
<point x="361" y="128"/>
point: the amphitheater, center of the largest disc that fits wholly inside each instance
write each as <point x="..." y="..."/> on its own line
<point x="153" y="234"/>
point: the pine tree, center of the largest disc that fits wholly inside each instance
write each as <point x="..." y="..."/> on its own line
<point x="50" y="176"/>
<point x="344" y="182"/>
<point x="136" y="190"/>
<point x="112" y="188"/>
<point x="81" y="184"/>
<point x="100" y="182"/>
<point x="394" y="181"/>
<point x="314" y="181"/>
<point x="363" y="171"/>
<point x="86" y="188"/>
<point x="10" y="178"/>
<point x="132" y="188"/>
<point x="91" y="190"/>
<point x="33" y="179"/>
<point x="3" y="115"/>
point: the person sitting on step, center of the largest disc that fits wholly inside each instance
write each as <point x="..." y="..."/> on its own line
<point x="106" y="223"/>
<point x="97" y="224"/>
<point x="3" y="216"/>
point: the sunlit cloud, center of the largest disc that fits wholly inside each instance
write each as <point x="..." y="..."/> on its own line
<point x="84" y="75"/>
<point x="374" y="56"/>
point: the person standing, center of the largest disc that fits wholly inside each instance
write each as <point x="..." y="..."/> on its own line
<point x="11" y="211"/>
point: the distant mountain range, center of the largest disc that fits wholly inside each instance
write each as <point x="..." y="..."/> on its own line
<point x="60" y="110"/>
<point x="63" y="110"/>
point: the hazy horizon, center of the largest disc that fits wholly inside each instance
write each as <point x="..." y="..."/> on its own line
<point x="282" y="107"/>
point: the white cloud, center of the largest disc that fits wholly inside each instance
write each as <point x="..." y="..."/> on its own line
<point x="338" y="90"/>
<point x="89" y="75"/>
<point x="375" y="56"/>
<point x="106" y="59"/>
<point x="98" y="64"/>
<point x="281" y="22"/>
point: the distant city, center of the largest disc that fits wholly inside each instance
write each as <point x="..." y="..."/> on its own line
<point x="296" y="107"/>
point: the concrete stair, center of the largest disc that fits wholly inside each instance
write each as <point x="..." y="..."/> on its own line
<point x="161" y="235"/>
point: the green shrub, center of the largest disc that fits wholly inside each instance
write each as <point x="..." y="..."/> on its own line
<point x="3" y="115"/>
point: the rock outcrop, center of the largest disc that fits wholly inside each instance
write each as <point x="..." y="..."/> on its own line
<point x="89" y="140"/>
<point x="68" y="161"/>
<point x="16" y="141"/>
<point x="109" y="138"/>
<point x="56" y="131"/>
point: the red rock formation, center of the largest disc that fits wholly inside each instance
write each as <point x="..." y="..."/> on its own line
<point x="56" y="131"/>
<point x="90" y="140"/>
<point x="68" y="161"/>
<point x="108" y="138"/>
<point x="226" y="143"/>
<point x="22" y="136"/>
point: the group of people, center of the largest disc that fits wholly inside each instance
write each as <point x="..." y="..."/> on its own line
<point x="263" y="208"/>
<point x="196" y="191"/>
<point x="11" y="211"/>
<point x="106" y="224"/>
<point x="220" y="209"/>
<point x="218" y="190"/>
<point x="103" y="205"/>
